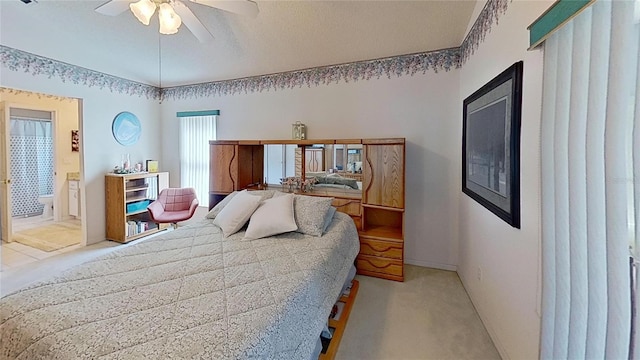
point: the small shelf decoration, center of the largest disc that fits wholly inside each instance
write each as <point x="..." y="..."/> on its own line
<point x="126" y="128"/>
<point x="289" y="184"/>
<point x="293" y="183"/>
<point x="298" y="131"/>
<point x="152" y="166"/>
<point x="126" y="167"/>
<point x="75" y="141"/>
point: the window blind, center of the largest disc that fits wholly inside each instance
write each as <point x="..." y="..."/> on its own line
<point x="195" y="133"/>
<point x="589" y="157"/>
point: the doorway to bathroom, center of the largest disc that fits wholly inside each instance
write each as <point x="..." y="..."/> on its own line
<point x="31" y="163"/>
<point x="40" y="209"/>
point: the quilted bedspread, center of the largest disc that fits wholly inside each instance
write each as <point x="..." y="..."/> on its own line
<point x="188" y="293"/>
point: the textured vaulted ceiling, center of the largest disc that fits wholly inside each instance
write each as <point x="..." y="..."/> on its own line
<point x="286" y="35"/>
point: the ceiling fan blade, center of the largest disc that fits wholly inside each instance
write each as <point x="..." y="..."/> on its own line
<point x="242" y="7"/>
<point x="192" y="22"/>
<point x="114" y="7"/>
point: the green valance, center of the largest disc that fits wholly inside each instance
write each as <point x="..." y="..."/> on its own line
<point x="197" y="113"/>
<point x="554" y="18"/>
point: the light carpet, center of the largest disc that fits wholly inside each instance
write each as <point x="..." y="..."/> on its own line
<point x="428" y="316"/>
<point x="51" y="237"/>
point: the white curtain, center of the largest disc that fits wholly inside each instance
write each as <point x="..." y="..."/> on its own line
<point x="31" y="163"/>
<point x="589" y="145"/>
<point x="195" y="133"/>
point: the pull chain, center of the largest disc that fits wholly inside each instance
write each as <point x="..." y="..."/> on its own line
<point x="160" y="68"/>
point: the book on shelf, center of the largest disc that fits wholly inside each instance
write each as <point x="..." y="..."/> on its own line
<point x="327" y="340"/>
<point x="347" y="291"/>
<point x="136" y="227"/>
<point x="337" y="310"/>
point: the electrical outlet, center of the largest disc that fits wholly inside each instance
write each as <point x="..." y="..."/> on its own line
<point x="479" y="274"/>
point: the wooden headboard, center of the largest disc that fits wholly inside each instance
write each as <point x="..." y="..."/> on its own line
<point x="377" y="209"/>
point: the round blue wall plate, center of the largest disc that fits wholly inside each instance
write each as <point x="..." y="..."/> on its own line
<point x="126" y="128"/>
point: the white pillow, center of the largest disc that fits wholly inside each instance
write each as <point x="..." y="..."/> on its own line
<point x="277" y="193"/>
<point x="219" y="206"/>
<point x="328" y="219"/>
<point x="273" y="216"/>
<point x="237" y="212"/>
<point x="264" y="194"/>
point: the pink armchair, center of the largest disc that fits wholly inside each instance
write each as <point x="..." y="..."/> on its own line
<point x="173" y="205"/>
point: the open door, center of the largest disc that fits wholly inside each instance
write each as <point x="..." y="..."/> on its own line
<point x="5" y="175"/>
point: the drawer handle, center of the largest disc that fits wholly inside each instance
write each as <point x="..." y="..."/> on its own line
<point x="379" y="250"/>
<point x="348" y="202"/>
<point x="379" y="267"/>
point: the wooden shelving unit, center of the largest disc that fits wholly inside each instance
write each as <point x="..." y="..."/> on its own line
<point x="235" y="165"/>
<point x="136" y="212"/>
<point x="134" y="199"/>
<point x="377" y="209"/>
<point x="382" y="233"/>
<point x="339" y="324"/>
<point x="127" y="190"/>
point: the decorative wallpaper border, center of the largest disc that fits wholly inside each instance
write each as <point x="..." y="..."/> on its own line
<point x="396" y="66"/>
<point x="17" y="60"/>
<point x="10" y="91"/>
<point x="362" y="70"/>
<point x="491" y="12"/>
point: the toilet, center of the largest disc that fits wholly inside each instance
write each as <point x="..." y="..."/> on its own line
<point x="47" y="201"/>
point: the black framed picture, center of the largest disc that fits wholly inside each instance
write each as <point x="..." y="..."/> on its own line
<point x="491" y="145"/>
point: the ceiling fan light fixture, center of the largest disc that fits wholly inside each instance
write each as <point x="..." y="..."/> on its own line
<point x="172" y="13"/>
<point x="169" y="20"/>
<point x="143" y="10"/>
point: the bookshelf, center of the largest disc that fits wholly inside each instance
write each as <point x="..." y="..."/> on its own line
<point x="127" y="198"/>
<point x="338" y="321"/>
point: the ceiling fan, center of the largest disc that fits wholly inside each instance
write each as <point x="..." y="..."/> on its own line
<point x="172" y="13"/>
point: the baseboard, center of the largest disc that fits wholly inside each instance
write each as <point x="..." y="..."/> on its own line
<point x="430" y="264"/>
<point x="492" y="334"/>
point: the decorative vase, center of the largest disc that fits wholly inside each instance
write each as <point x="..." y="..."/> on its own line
<point x="125" y="161"/>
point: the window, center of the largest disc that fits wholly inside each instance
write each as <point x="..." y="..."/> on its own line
<point x="590" y="200"/>
<point x="196" y="129"/>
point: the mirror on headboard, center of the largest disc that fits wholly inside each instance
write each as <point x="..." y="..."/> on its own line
<point x="279" y="162"/>
<point x="344" y="160"/>
<point x="336" y="167"/>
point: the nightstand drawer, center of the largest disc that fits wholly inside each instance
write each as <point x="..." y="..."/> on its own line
<point x="386" y="249"/>
<point x="368" y="264"/>
<point x="347" y="206"/>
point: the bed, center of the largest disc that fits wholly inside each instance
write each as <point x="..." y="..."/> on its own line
<point x="188" y="293"/>
<point x="334" y="180"/>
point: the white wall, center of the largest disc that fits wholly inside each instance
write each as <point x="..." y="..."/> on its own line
<point x="507" y="297"/>
<point x="421" y="108"/>
<point x="99" y="150"/>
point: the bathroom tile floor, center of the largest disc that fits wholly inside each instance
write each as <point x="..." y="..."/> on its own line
<point x="26" y="223"/>
<point x="15" y="254"/>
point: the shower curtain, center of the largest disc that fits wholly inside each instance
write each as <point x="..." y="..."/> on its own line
<point x="31" y="147"/>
